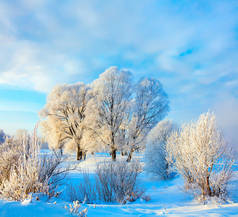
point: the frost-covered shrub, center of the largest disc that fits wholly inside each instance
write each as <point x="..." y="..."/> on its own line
<point x="23" y="171"/>
<point x="85" y="191"/>
<point x="155" y="152"/>
<point x="200" y="154"/>
<point x="76" y="209"/>
<point x="113" y="182"/>
<point x="117" y="181"/>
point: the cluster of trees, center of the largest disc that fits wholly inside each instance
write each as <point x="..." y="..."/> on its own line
<point x="116" y="114"/>
<point x="112" y="113"/>
<point x="197" y="151"/>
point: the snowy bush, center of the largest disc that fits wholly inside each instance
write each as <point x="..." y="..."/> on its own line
<point x="155" y="152"/>
<point x="117" y="181"/>
<point x="76" y="209"/>
<point x="201" y="156"/>
<point x="23" y="171"/>
<point x="85" y="191"/>
<point x="113" y="182"/>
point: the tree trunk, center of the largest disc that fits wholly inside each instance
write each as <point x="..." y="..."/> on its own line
<point x="129" y="156"/>
<point x="208" y="189"/>
<point x="84" y="155"/>
<point x="79" y="153"/>
<point x="114" y="154"/>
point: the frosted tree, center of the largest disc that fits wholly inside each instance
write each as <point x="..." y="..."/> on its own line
<point x="155" y="152"/>
<point x="112" y="91"/>
<point x="201" y="156"/>
<point x="64" y="115"/>
<point x="149" y="105"/>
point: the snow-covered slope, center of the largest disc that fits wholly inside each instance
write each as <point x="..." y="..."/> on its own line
<point x="167" y="199"/>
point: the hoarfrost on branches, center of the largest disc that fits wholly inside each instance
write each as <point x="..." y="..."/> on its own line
<point x="148" y="107"/>
<point x="111" y="91"/>
<point x="112" y="113"/>
<point x="201" y="156"/>
<point x="64" y="114"/>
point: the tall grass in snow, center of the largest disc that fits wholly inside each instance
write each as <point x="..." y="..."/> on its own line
<point x="24" y="171"/>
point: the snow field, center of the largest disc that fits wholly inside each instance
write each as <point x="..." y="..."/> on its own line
<point x="167" y="198"/>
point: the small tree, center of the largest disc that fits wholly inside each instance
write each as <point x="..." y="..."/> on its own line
<point x="155" y="152"/>
<point x="201" y="156"/>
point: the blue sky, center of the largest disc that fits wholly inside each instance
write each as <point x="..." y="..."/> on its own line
<point x="190" y="46"/>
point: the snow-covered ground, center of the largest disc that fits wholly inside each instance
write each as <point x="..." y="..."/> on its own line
<point x="167" y="199"/>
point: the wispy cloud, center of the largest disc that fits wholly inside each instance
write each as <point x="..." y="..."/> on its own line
<point x="191" y="46"/>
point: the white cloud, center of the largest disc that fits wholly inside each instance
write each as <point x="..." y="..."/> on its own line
<point x="30" y="66"/>
<point x="48" y="45"/>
